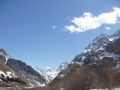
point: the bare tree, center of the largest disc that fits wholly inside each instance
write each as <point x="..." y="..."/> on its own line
<point x="83" y="79"/>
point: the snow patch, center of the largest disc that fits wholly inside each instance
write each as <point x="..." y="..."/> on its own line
<point x="111" y="55"/>
<point x="87" y="50"/>
<point x="7" y="74"/>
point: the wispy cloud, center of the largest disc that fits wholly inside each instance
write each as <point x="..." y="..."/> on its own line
<point x="90" y="22"/>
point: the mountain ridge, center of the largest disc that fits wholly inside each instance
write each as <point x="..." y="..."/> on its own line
<point x="102" y="51"/>
<point x="22" y="70"/>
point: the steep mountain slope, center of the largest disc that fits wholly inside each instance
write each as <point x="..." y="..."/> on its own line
<point x="102" y="51"/>
<point x="26" y="72"/>
<point x="32" y="76"/>
<point x="16" y="68"/>
<point x="8" y="76"/>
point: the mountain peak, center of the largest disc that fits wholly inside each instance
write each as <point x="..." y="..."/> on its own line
<point x="3" y="52"/>
<point x="103" y="46"/>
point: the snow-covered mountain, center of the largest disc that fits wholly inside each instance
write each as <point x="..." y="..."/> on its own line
<point x="103" y="50"/>
<point x="50" y="73"/>
<point x="97" y="50"/>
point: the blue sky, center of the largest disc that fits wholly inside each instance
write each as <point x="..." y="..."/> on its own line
<point x="39" y="33"/>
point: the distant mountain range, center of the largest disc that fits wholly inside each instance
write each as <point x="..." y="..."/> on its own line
<point x="50" y="73"/>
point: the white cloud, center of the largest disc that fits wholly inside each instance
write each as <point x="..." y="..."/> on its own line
<point x="53" y="27"/>
<point x="90" y="22"/>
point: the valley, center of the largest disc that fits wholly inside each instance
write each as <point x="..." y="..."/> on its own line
<point x="97" y="66"/>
